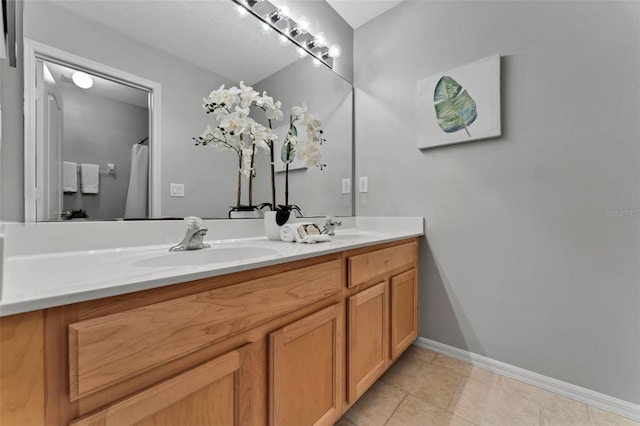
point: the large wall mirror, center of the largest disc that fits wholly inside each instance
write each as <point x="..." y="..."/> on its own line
<point x="151" y="63"/>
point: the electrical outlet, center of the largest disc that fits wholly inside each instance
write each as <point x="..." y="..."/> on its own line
<point x="177" y="190"/>
<point x="363" y="184"/>
<point x="346" y="186"/>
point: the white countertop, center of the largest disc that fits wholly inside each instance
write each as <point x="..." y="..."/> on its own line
<point x="47" y="265"/>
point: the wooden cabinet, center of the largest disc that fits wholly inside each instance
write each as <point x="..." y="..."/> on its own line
<point x="367" y="337"/>
<point x="404" y="311"/>
<point x="305" y="370"/>
<point x="208" y="394"/>
<point x="382" y="312"/>
<point x="289" y="344"/>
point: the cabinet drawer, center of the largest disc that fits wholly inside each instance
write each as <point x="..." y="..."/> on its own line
<point x="207" y="394"/>
<point x="378" y="264"/>
<point x="106" y="350"/>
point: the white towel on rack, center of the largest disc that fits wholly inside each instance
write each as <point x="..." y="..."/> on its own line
<point x="136" y="205"/>
<point x="70" y="176"/>
<point x="90" y="174"/>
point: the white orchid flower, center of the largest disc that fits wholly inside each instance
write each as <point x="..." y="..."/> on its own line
<point x="247" y="95"/>
<point x="235" y="123"/>
<point x="299" y="111"/>
<point x="275" y="112"/>
<point x="243" y="112"/>
<point x="310" y="153"/>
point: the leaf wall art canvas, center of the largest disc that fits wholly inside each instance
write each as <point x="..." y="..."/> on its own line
<point x="281" y="153"/>
<point x="461" y="104"/>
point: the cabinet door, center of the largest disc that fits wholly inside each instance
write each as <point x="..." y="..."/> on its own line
<point x="206" y="395"/>
<point x="367" y="333"/>
<point x="305" y="370"/>
<point x="404" y="311"/>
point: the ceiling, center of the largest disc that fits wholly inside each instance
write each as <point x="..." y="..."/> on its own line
<point x="186" y="29"/>
<point x="101" y="86"/>
<point x="204" y="32"/>
<point x="359" y="12"/>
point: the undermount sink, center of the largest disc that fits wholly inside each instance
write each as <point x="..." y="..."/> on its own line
<point x="207" y="256"/>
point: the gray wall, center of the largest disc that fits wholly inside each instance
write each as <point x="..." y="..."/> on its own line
<point x="524" y="261"/>
<point x="183" y="87"/>
<point x="317" y="192"/>
<point x="11" y="152"/>
<point x="100" y="130"/>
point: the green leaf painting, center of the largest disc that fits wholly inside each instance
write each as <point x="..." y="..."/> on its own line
<point x="455" y="108"/>
<point x="288" y="152"/>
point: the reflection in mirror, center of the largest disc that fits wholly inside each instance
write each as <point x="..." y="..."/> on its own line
<point x="106" y="127"/>
<point x="89" y="131"/>
<point x="189" y="49"/>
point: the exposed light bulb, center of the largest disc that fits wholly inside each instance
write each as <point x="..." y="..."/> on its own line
<point x="321" y="41"/>
<point x="335" y="51"/>
<point x="241" y="11"/>
<point x="82" y="79"/>
<point x="265" y="27"/>
<point x="316" y="62"/>
<point x="301" y="52"/>
<point x="285" y="12"/>
<point x="303" y="25"/>
<point x="284" y="41"/>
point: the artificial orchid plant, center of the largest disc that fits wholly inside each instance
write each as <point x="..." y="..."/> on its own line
<point x="236" y="130"/>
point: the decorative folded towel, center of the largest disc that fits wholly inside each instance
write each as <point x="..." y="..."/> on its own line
<point x="69" y="176"/>
<point x="302" y="232"/>
<point x="90" y="178"/>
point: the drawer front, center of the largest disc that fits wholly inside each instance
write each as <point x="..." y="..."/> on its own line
<point x="380" y="263"/>
<point x="207" y="394"/>
<point x="106" y="350"/>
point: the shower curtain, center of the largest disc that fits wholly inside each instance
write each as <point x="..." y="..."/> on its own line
<point x="136" y="206"/>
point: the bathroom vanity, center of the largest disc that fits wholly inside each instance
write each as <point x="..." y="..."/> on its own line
<point x="293" y="341"/>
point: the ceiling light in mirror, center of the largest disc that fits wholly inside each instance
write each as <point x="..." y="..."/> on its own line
<point x="82" y="79"/>
<point x="242" y="11"/>
<point x="335" y="51"/>
<point x="301" y="28"/>
<point x="290" y="30"/>
<point x="283" y="40"/>
<point x="320" y="41"/>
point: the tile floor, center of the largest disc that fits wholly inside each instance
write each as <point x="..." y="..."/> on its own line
<point x="427" y="389"/>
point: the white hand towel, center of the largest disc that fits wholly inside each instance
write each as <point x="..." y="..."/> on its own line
<point x="70" y="176"/>
<point x="90" y="178"/>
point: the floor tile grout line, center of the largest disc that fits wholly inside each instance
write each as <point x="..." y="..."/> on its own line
<point x="396" y="409"/>
<point x="498" y="382"/>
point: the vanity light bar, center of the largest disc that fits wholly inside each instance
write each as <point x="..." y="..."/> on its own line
<point x="296" y="32"/>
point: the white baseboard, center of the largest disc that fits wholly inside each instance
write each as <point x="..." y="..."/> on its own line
<point x="587" y="396"/>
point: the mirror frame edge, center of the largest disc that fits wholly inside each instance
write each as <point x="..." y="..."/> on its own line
<point x="34" y="50"/>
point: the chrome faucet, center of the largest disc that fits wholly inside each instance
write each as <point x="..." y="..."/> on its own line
<point x="193" y="238"/>
<point x="330" y="226"/>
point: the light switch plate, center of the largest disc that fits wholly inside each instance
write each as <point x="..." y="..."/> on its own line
<point x="346" y="186"/>
<point x="177" y="190"/>
<point x="363" y="184"/>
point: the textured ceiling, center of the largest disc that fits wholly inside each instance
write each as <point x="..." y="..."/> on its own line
<point x="209" y="33"/>
<point x="101" y="86"/>
<point x="359" y="12"/>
